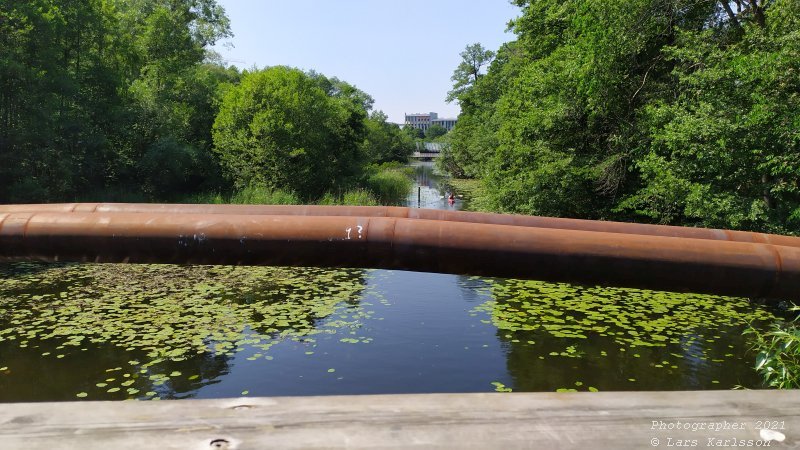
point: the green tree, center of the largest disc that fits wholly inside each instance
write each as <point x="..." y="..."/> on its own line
<point x="724" y="150"/>
<point x="413" y="133"/>
<point x="280" y="129"/>
<point x="434" y="131"/>
<point x="385" y="141"/>
<point x="89" y="88"/>
<point x="672" y="111"/>
<point x="58" y="100"/>
<point x="473" y="58"/>
<point x="173" y="90"/>
<point x="561" y="107"/>
<point x="473" y="139"/>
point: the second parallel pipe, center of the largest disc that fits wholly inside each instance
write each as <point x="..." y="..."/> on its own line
<point x="611" y="259"/>
<point x="416" y="213"/>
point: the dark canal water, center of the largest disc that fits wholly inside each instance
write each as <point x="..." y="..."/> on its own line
<point x="73" y="331"/>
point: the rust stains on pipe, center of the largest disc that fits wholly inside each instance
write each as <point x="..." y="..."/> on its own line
<point x="586" y="257"/>
<point x="415" y="213"/>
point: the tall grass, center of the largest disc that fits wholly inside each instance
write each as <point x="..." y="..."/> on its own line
<point x="251" y="195"/>
<point x="389" y="185"/>
<point x="259" y="195"/>
<point x="353" y="197"/>
<point x="385" y="184"/>
<point x="359" y="197"/>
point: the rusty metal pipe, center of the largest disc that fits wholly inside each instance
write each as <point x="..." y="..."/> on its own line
<point x="416" y="213"/>
<point x="586" y="257"/>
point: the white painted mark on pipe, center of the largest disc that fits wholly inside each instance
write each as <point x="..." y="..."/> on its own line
<point x="348" y="230"/>
<point x="359" y="231"/>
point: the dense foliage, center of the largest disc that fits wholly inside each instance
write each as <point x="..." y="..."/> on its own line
<point x="434" y="131"/>
<point x="386" y="141"/>
<point x="104" y="93"/>
<point x="671" y="111"/>
<point x="279" y="127"/>
<point x="115" y="100"/>
<point x="778" y="357"/>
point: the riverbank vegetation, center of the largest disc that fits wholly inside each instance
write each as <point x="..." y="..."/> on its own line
<point x="778" y="354"/>
<point x="123" y="101"/>
<point x="380" y="184"/>
<point x="390" y="182"/>
<point x="669" y="112"/>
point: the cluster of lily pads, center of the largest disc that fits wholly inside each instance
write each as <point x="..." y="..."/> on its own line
<point x="631" y="317"/>
<point x="627" y="321"/>
<point x="178" y="325"/>
<point x="164" y="315"/>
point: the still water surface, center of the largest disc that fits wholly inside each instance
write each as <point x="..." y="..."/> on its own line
<point x="73" y="331"/>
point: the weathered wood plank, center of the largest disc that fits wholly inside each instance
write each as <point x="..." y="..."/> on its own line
<point x="606" y="420"/>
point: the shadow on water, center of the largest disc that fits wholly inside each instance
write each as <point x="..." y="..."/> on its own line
<point x="48" y="371"/>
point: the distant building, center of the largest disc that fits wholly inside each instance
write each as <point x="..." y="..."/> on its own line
<point x="424" y="121"/>
<point x="447" y="124"/>
<point x="420" y="121"/>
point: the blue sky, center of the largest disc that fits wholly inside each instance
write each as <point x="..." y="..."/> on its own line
<point x="401" y="53"/>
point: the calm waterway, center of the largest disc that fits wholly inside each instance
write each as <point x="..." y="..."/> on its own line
<point x="83" y="331"/>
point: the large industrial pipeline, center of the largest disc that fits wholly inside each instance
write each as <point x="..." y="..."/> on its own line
<point x="416" y="213"/>
<point x="588" y="257"/>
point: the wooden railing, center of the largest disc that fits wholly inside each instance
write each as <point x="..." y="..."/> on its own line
<point x="586" y="420"/>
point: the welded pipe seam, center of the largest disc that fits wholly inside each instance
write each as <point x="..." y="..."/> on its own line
<point x="418" y="213"/>
<point x="585" y="257"/>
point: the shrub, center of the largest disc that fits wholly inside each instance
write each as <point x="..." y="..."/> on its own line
<point x="359" y="197"/>
<point x="778" y="358"/>
<point x="390" y="186"/>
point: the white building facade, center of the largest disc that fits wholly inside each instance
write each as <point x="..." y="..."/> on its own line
<point x="423" y="121"/>
<point x="447" y="124"/>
